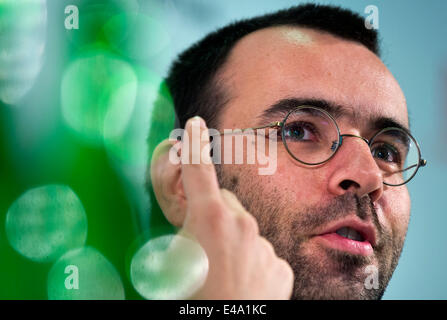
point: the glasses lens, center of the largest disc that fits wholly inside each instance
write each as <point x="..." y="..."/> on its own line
<point x="396" y="154"/>
<point x="311" y="136"/>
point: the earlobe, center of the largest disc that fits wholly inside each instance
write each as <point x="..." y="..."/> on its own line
<point x="167" y="184"/>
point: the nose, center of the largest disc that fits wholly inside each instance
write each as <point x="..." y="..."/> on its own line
<point x="355" y="170"/>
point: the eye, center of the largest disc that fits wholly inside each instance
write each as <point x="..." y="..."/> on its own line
<point x="300" y="131"/>
<point x="385" y="152"/>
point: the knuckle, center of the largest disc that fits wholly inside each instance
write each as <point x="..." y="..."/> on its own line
<point x="285" y="270"/>
<point x="247" y="224"/>
<point x="205" y="204"/>
<point x="208" y="208"/>
<point x="267" y="247"/>
<point x="227" y="193"/>
<point x="212" y="204"/>
<point x="216" y="214"/>
<point x="215" y="211"/>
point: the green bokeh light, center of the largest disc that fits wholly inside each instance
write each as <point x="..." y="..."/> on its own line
<point x="124" y="31"/>
<point x="128" y="151"/>
<point x="84" y="274"/>
<point x="95" y="87"/>
<point x="128" y="146"/>
<point x="169" y="267"/>
<point x="93" y="15"/>
<point x="45" y="222"/>
<point x="22" y="43"/>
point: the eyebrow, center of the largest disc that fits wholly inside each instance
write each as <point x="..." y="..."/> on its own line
<point x="282" y="107"/>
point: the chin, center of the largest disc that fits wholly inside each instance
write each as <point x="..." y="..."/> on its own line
<point x="328" y="274"/>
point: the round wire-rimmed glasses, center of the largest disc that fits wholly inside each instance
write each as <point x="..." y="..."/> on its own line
<point x="312" y="137"/>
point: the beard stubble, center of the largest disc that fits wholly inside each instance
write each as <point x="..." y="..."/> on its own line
<point x="331" y="274"/>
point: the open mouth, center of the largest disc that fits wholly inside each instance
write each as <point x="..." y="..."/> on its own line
<point x="349" y="236"/>
<point x="350" y="233"/>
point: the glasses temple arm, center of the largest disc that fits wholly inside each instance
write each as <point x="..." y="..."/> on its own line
<point x="276" y="124"/>
<point x="422" y="163"/>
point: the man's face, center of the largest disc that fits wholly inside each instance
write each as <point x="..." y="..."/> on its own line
<point x="298" y="204"/>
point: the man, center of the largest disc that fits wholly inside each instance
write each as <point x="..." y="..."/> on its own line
<point x="313" y="229"/>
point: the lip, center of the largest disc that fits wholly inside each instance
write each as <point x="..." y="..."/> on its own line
<point x="330" y="238"/>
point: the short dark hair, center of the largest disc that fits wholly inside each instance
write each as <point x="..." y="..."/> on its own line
<point x="193" y="88"/>
<point x="191" y="79"/>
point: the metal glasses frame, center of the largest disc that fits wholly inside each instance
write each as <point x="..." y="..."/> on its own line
<point x="279" y="125"/>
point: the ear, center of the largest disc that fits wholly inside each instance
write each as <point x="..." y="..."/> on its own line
<point x="167" y="184"/>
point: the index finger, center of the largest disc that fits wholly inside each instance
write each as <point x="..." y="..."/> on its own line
<point x="198" y="172"/>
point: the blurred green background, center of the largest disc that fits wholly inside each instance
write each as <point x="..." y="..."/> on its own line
<point x="77" y="107"/>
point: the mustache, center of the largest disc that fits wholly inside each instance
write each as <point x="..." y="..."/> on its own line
<point x="337" y="209"/>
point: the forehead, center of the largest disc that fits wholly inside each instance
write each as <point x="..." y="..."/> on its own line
<point x="289" y="62"/>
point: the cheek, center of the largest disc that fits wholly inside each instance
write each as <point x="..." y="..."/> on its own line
<point x="304" y="185"/>
<point x="394" y="210"/>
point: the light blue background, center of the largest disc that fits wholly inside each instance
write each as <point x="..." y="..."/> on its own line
<point x="414" y="48"/>
<point x="39" y="149"/>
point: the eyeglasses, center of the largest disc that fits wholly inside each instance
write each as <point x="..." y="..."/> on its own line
<point x="312" y="137"/>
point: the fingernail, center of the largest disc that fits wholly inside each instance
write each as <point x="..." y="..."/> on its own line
<point x="201" y="121"/>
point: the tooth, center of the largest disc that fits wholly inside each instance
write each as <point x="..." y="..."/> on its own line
<point x="344" y="232"/>
<point x="352" y="234"/>
<point x="349" y="233"/>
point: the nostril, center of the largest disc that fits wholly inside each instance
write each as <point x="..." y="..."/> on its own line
<point x="347" y="184"/>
